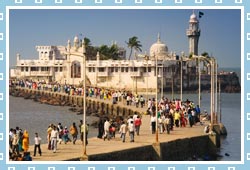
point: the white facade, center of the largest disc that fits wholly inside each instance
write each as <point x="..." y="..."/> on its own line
<point x="64" y="65"/>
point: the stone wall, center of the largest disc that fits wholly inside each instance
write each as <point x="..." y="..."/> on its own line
<point x="92" y="105"/>
<point x="178" y="150"/>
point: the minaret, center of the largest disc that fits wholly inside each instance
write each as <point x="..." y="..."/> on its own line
<point x="98" y="56"/>
<point x="18" y="57"/>
<point x="68" y="46"/>
<point x="76" y="43"/>
<point x="158" y="38"/>
<point x="193" y="33"/>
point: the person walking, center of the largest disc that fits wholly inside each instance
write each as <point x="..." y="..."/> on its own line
<point x="198" y="113"/>
<point x="177" y="117"/>
<point x="80" y="128"/>
<point x="25" y="141"/>
<point x="106" y="130"/>
<point x="60" y="130"/>
<point x="37" y="140"/>
<point x="15" y="143"/>
<point x="137" y="125"/>
<point x="153" y="120"/>
<point x="142" y="101"/>
<point x="131" y="129"/>
<point x="100" y="128"/>
<point x="190" y="118"/>
<point x="65" y="136"/>
<point x="85" y="129"/>
<point x="73" y="131"/>
<point x="167" y="124"/>
<point x="54" y="137"/>
<point x="123" y="130"/>
<point x="49" y="130"/>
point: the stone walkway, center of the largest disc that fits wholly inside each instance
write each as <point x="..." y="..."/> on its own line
<point x="97" y="146"/>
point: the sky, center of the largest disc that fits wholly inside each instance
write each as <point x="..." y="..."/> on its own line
<point x="220" y="30"/>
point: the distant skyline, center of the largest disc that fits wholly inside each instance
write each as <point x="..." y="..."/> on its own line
<point x="220" y="30"/>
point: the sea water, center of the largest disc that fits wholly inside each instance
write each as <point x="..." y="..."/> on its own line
<point x="36" y="117"/>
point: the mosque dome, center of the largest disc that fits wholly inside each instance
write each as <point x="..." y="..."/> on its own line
<point x="193" y="18"/>
<point x="76" y="39"/>
<point x="159" y="49"/>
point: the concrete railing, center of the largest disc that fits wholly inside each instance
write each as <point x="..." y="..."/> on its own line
<point x="93" y="105"/>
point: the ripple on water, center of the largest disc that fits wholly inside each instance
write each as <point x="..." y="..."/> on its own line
<point x="36" y="117"/>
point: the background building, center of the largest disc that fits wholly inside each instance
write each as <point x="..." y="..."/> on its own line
<point x="64" y="65"/>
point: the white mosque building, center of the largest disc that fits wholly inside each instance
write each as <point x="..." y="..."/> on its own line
<point x="65" y="65"/>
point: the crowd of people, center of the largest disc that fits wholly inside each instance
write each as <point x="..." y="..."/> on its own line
<point x="59" y="134"/>
<point x="168" y="115"/>
<point x="172" y="114"/>
<point x="100" y="93"/>
<point x="19" y="144"/>
<point x="108" y="127"/>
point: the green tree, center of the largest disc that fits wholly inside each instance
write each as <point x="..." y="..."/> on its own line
<point x="205" y="54"/>
<point x="103" y="50"/>
<point x="90" y="50"/>
<point x="109" y="52"/>
<point x="106" y="52"/>
<point x="134" y="43"/>
<point x="87" y="42"/>
<point x="114" y="52"/>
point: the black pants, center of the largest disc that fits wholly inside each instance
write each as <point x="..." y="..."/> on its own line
<point x="15" y="149"/>
<point x="177" y="122"/>
<point x="39" y="150"/>
<point x="153" y="126"/>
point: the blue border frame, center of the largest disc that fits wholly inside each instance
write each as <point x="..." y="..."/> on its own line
<point x="123" y="3"/>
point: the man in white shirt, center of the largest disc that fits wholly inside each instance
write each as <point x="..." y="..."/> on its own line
<point x="54" y="137"/>
<point x="123" y="130"/>
<point x="131" y="129"/>
<point x="37" y="140"/>
<point x="130" y="119"/>
<point x="15" y="140"/>
<point x="106" y="130"/>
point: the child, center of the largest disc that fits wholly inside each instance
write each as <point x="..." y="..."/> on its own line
<point x="65" y="136"/>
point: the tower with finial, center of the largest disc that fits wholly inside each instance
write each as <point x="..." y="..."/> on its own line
<point x="76" y="43"/>
<point x="193" y="34"/>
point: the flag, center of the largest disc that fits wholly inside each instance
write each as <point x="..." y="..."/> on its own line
<point x="200" y="14"/>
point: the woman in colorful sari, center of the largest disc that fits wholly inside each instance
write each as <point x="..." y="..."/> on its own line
<point x="25" y="141"/>
<point x="20" y="141"/>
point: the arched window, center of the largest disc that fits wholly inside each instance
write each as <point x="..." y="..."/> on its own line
<point x="75" y="69"/>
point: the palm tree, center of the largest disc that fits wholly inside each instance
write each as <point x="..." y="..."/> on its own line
<point x="90" y="50"/>
<point x="109" y="52"/>
<point x="113" y="52"/>
<point x="133" y="43"/>
<point x="87" y="42"/>
<point x="103" y="49"/>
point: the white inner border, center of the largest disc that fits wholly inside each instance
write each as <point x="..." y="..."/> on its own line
<point x="8" y="8"/>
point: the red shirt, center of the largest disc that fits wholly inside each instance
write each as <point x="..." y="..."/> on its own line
<point x="137" y="122"/>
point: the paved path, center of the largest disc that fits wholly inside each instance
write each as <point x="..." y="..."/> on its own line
<point x="97" y="146"/>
